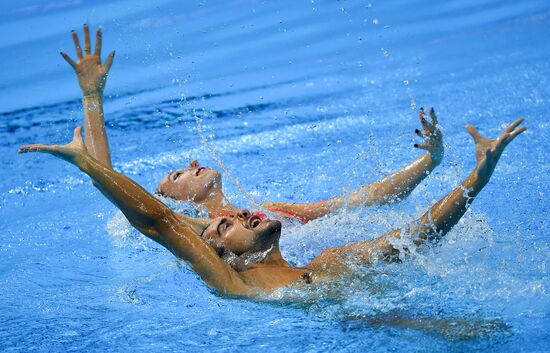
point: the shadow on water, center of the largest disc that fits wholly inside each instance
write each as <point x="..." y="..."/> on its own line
<point x="450" y="328"/>
<point x="336" y="302"/>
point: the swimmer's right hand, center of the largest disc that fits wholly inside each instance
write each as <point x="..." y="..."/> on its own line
<point x="91" y="74"/>
<point x="69" y="152"/>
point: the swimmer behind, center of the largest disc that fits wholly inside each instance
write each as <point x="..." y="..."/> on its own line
<point x="203" y="186"/>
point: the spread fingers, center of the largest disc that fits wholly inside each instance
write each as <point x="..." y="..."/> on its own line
<point x="428" y="128"/>
<point x="109" y="62"/>
<point x="77" y="45"/>
<point x="516" y="132"/>
<point x="98" y="40"/>
<point x="87" y="43"/>
<point x="68" y="59"/>
<point x="34" y="148"/>
<point x="473" y="131"/>
<point x="513" y="125"/>
<point x="433" y="116"/>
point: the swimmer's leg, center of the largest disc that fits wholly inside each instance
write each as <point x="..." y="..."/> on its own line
<point x="440" y="218"/>
<point x="391" y="188"/>
<point x="92" y="77"/>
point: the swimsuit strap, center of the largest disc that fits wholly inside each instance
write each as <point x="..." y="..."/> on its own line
<point x="289" y="214"/>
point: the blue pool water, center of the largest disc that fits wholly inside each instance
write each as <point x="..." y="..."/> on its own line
<point x="296" y="101"/>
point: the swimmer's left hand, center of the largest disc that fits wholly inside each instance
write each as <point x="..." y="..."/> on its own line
<point x="432" y="136"/>
<point x="488" y="151"/>
<point x="69" y="152"/>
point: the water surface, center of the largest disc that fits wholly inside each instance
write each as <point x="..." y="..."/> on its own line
<point x="295" y="101"/>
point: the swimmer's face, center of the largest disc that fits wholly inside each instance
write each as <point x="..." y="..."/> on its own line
<point x="244" y="232"/>
<point x="195" y="183"/>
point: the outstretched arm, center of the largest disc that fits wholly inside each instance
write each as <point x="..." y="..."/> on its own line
<point x="439" y="219"/>
<point x="389" y="189"/>
<point x="445" y="213"/>
<point x="150" y="216"/>
<point x="92" y="77"/>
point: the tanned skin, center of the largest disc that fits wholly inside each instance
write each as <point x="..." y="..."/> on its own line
<point x="92" y="77"/>
<point x="203" y="186"/>
<point x="389" y="189"/>
<point x="199" y="243"/>
<point x="181" y="184"/>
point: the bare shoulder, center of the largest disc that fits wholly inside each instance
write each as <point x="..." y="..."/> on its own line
<point x="329" y="260"/>
<point x="337" y="260"/>
<point x="267" y="279"/>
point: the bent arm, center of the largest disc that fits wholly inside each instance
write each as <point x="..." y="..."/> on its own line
<point x="400" y="184"/>
<point x="433" y="224"/>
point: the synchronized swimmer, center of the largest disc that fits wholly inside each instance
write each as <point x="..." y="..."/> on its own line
<point x="237" y="252"/>
<point x="202" y="186"/>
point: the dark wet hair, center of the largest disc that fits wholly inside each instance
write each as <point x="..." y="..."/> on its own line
<point x="218" y="248"/>
<point x="158" y="191"/>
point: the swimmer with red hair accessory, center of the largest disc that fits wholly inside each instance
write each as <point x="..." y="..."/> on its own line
<point x="202" y="186"/>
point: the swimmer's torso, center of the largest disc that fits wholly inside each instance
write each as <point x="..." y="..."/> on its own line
<point x="268" y="279"/>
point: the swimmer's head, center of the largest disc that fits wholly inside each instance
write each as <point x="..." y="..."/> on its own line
<point x="242" y="233"/>
<point x="195" y="183"/>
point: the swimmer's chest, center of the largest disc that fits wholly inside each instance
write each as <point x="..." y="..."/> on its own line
<point x="271" y="278"/>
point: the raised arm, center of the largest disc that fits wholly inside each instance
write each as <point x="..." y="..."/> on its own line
<point x="445" y="213"/>
<point x="391" y="188"/>
<point x="438" y="220"/>
<point x="92" y="77"/>
<point x="150" y="216"/>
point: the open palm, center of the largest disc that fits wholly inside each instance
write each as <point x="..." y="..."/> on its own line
<point x="489" y="151"/>
<point x="69" y="152"/>
<point x="91" y="74"/>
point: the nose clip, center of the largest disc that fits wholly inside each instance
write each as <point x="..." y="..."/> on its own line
<point x="261" y="216"/>
<point x="243" y="215"/>
<point x="194" y="164"/>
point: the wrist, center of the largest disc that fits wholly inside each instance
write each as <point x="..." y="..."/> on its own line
<point x="93" y="103"/>
<point x="437" y="156"/>
<point x="92" y="95"/>
<point x="476" y="181"/>
<point x="82" y="161"/>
